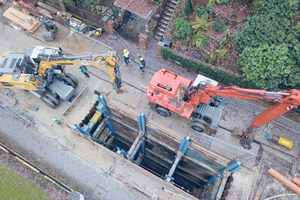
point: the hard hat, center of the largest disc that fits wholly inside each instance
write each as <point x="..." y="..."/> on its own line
<point x="125" y="50"/>
<point x="141" y="58"/>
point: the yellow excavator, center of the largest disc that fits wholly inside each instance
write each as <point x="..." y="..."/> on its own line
<point x="41" y="71"/>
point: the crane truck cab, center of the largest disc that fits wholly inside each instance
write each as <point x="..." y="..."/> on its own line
<point x="171" y="94"/>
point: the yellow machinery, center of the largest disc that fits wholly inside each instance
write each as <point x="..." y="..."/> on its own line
<point x="41" y="71"/>
<point x="280" y="140"/>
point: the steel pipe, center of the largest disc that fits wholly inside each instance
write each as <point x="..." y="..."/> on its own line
<point x="284" y="180"/>
<point x="296" y="180"/>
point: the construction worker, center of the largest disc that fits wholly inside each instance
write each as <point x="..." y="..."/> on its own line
<point x="84" y="69"/>
<point x="142" y="63"/>
<point x="126" y="57"/>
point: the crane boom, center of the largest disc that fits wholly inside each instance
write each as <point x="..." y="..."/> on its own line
<point x="283" y="101"/>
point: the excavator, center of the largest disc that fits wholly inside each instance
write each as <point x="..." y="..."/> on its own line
<point x="41" y="71"/>
<point x="201" y="101"/>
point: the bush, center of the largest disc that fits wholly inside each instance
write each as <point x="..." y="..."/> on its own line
<point x="206" y="41"/>
<point x="181" y="29"/>
<point x="201" y="11"/>
<point x="270" y="45"/>
<point x="219" y="25"/>
<point x="270" y="66"/>
<point x="226" y="2"/>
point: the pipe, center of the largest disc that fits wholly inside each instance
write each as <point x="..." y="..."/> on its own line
<point x="284" y="180"/>
<point x="280" y="195"/>
<point x="296" y="180"/>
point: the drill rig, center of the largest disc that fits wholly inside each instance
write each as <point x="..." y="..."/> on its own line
<point x="41" y="71"/>
<point x="201" y="101"/>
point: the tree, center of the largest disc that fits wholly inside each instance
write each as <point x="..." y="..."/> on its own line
<point x="270" y="44"/>
<point x="269" y="67"/>
<point x="187" y="9"/>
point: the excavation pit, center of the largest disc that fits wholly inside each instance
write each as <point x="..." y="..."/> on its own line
<point x="197" y="172"/>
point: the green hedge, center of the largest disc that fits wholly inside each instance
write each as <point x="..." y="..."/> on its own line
<point x="219" y="75"/>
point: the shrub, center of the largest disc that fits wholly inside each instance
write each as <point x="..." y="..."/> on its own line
<point x="226" y="2"/>
<point x="201" y="11"/>
<point x="219" y="25"/>
<point x="269" y="66"/>
<point x="206" y="41"/>
<point x="71" y="2"/>
<point x="270" y="45"/>
<point x="181" y="29"/>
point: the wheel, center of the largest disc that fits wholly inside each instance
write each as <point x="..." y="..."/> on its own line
<point x="68" y="81"/>
<point x="72" y="78"/>
<point x="201" y="121"/>
<point x="207" y="120"/>
<point x="195" y="115"/>
<point x="162" y="111"/>
<point x="48" y="102"/>
<point x="198" y="127"/>
<point x="52" y="98"/>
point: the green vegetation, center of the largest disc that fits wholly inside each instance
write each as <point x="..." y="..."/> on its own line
<point x="206" y="41"/>
<point x="219" y="25"/>
<point x="269" y="45"/>
<point x="181" y="29"/>
<point x="93" y="6"/>
<point x="233" y="16"/>
<point x="160" y="2"/>
<point x="201" y="24"/>
<point x="14" y="186"/>
<point x="187" y="9"/>
<point x="270" y="66"/>
<point x="226" y="2"/>
<point x="201" y="11"/>
<point x="219" y="75"/>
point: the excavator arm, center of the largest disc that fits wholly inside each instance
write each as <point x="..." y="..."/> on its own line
<point x="282" y="101"/>
<point x="109" y="61"/>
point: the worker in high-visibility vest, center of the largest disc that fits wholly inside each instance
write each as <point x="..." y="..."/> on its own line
<point x="142" y="64"/>
<point x="126" y="57"/>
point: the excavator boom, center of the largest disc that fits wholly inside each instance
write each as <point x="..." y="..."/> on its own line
<point x="283" y="101"/>
<point x="109" y="61"/>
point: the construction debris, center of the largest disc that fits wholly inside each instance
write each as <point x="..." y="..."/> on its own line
<point x="24" y="20"/>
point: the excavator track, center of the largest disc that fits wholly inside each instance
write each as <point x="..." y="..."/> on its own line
<point x="49" y="103"/>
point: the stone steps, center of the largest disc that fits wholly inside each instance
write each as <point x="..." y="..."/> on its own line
<point x="163" y="24"/>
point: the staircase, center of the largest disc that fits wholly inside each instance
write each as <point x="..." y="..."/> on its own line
<point x="165" y="19"/>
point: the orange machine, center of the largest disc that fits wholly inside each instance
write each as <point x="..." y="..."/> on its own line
<point x="170" y="93"/>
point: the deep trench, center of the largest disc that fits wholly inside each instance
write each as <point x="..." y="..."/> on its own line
<point x="194" y="170"/>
